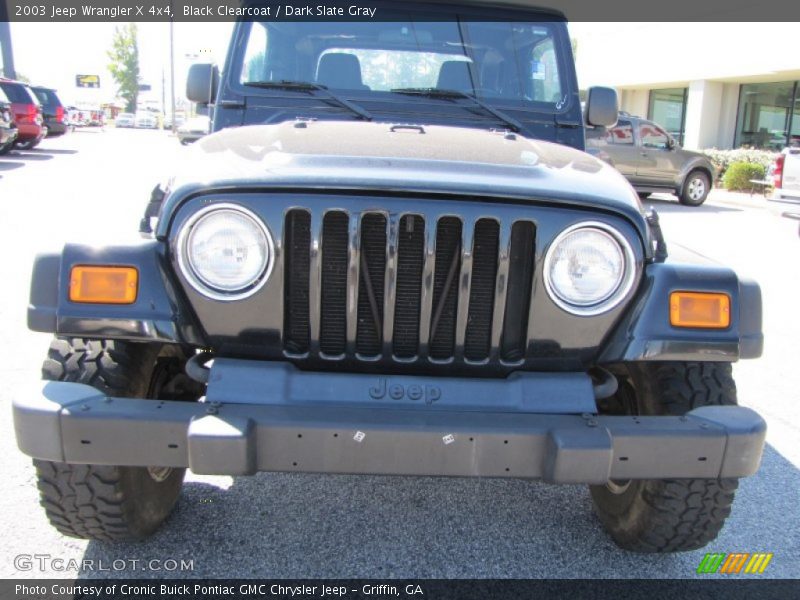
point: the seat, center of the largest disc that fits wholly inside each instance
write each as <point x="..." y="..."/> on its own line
<point x="341" y="71"/>
<point x="455" y="75"/>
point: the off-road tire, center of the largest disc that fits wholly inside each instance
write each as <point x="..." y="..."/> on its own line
<point x="671" y="515"/>
<point x="687" y="196"/>
<point x="102" y="502"/>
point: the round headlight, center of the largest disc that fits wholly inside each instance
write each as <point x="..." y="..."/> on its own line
<point x="225" y="252"/>
<point x="589" y="269"/>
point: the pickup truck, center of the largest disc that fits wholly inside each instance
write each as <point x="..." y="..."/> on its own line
<point x="651" y="159"/>
<point x="786" y="174"/>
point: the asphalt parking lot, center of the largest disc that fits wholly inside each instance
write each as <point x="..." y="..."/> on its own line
<point x="92" y="186"/>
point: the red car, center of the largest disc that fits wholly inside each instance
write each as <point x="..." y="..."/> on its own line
<point x="27" y="112"/>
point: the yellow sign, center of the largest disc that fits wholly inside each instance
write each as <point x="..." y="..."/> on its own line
<point x="87" y="81"/>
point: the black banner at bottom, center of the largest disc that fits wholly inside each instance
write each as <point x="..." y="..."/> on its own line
<point x="410" y="589"/>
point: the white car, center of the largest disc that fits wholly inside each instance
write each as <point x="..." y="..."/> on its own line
<point x="785" y="172"/>
<point x="193" y="129"/>
<point x="124" y="120"/>
<point x="145" y="120"/>
<point x="179" y="120"/>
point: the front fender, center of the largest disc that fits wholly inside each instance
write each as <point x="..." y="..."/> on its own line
<point x="645" y="333"/>
<point x="158" y="314"/>
<point x="698" y="162"/>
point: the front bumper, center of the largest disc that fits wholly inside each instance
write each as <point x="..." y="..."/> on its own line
<point x="74" y="423"/>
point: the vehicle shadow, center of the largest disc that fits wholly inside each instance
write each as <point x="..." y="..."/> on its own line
<point x="9" y="165"/>
<point x="338" y="526"/>
<point x="56" y="150"/>
<point x="787" y="201"/>
<point x="665" y="205"/>
<point x="31" y="155"/>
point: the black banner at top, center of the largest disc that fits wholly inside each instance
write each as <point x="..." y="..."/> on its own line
<point x="66" y="11"/>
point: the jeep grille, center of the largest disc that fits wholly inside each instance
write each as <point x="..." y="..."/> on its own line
<point x="377" y="286"/>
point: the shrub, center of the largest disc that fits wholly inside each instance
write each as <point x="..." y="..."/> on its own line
<point x="739" y="174"/>
<point x="722" y="159"/>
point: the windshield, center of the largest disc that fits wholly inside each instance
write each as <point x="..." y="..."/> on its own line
<point x="513" y="63"/>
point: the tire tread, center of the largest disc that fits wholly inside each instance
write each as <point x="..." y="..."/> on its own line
<point x="674" y="515"/>
<point x="95" y="501"/>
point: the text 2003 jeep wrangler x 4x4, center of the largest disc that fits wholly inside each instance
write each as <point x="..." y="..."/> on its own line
<point x="393" y="257"/>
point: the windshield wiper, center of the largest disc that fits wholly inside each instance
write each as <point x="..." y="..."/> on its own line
<point x="307" y="86"/>
<point x="450" y="94"/>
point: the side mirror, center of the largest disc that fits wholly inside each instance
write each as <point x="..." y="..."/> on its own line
<point x="602" y="107"/>
<point x="671" y="143"/>
<point x="202" y="83"/>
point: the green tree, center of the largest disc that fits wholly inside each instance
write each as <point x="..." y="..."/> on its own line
<point x="124" y="66"/>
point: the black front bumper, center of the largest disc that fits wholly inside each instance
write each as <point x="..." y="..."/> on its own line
<point x="74" y="423"/>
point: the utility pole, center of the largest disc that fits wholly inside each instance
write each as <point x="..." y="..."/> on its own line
<point x="172" y="72"/>
<point x="5" y="43"/>
<point x="163" y="93"/>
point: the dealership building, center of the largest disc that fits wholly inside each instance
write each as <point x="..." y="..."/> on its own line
<point x="722" y="85"/>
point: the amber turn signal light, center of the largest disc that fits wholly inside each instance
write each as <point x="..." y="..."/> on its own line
<point x="695" y="309"/>
<point x="103" y="285"/>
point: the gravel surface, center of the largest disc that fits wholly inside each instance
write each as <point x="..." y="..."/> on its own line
<point x="91" y="186"/>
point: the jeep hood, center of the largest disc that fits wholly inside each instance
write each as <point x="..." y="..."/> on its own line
<point x="383" y="157"/>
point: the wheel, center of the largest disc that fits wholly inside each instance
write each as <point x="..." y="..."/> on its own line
<point x="26" y="144"/>
<point x="670" y="515"/>
<point x="695" y="189"/>
<point x="6" y="148"/>
<point x="104" y="502"/>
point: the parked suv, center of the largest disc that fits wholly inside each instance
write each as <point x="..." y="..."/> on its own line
<point x="400" y="261"/>
<point x="8" y="129"/>
<point x="651" y="159"/>
<point x="27" y="113"/>
<point x="55" y="117"/>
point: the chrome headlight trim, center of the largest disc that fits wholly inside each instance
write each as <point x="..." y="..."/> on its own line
<point x="622" y="289"/>
<point x="185" y="265"/>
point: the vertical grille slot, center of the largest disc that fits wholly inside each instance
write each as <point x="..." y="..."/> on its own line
<point x="410" y="255"/>
<point x="297" y="248"/>
<point x="445" y="287"/>
<point x="372" y="273"/>
<point x="333" y="316"/>
<point x="478" y="334"/>
<point x="518" y="298"/>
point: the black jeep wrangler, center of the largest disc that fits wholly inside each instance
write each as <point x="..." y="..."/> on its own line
<point x="394" y="257"/>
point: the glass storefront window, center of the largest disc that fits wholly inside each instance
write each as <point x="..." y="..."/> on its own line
<point x="765" y="115"/>
<point x="668" y="109"/>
